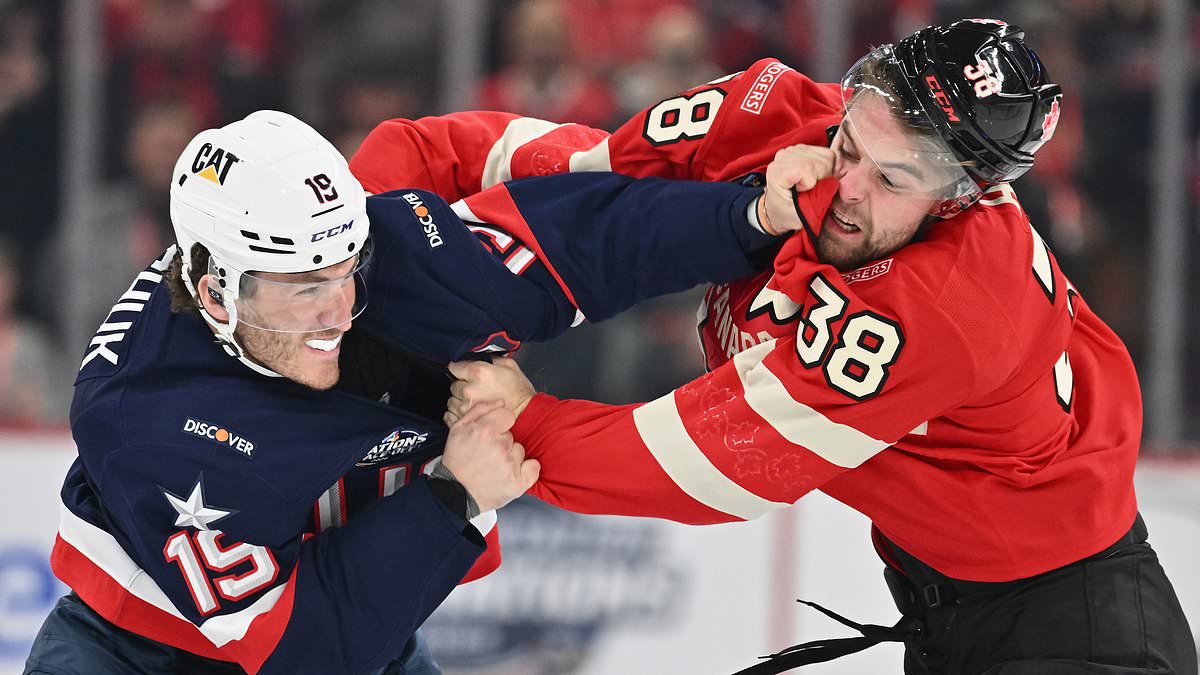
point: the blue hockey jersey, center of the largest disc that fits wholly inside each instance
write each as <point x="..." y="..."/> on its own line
<point x="251" y="519"/>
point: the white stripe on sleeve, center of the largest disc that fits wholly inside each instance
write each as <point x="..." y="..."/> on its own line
<point x="662" y="430"/>
<point x="836" y="443"/>
<point x="498" y="166"/>
<point x="595" y="158"/>
<point x="519" y="261"/>
<point x="464" y="212"/>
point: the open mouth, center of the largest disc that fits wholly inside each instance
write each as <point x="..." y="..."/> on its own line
<point x="845" y="224"/>
<point x="325" y="345"/>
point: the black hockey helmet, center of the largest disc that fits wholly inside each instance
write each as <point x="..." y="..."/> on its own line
<point x="976" y="86"/>
<point x="987" y="93"/>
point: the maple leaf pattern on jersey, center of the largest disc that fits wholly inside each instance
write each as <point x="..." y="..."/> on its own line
<point x="548" y="162"/>
<point x="740" y="438"/>
<point x="750" y="464"/>
<point x="712" y="419"/>
<point x="788" y="471"/>
<point x="709" y="395"/>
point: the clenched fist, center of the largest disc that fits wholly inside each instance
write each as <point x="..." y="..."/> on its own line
<point x="481" y="454"/>
<point x="480" y="381"/>
<point x="799" y="167"/>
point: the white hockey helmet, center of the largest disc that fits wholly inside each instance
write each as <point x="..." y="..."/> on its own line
<point x="268" y="194"/>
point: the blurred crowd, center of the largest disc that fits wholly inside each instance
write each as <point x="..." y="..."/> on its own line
<point x="173" y="67"/>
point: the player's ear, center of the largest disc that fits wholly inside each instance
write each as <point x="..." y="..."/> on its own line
<point x="211" y="298"/>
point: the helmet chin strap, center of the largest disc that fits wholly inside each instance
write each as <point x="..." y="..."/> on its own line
<point x="225" y="330"/>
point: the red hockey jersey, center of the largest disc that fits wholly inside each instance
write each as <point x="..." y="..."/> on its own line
<point x="960" y="392"/>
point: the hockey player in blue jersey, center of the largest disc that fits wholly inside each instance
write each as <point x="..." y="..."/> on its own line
<point x="261" y="487"/>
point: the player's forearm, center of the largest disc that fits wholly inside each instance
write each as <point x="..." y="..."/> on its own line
<point x="445" y="154"/>
<point x="617" y="241"/>
<point x="460" y="154"/>
<point x="363" y="588"/>
<point x="593" y="461"/>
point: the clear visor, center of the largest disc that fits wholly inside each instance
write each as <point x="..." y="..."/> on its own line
<point x="885" y="123"/>
<point x="307" y="302"/>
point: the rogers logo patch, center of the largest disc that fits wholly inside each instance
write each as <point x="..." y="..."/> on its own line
<point x="756" y="98"/>
<point x="868" y="272"/>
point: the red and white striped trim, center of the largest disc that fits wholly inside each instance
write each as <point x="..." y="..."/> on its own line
<point x="518" y="260"/>
<point x="665" y="435"/>
<point x="330" y="507"/>
<point x="500" y="240"/>
<point x="836" y="443"/>
<point x="464" y="212"/>
<point x="596" y="158"/>
<point x="662" y="430"/>
<point x="497" y="168"/>
<point x="103" y="552"/>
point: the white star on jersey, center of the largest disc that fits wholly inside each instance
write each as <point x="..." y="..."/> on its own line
<point x="193" y="512"/>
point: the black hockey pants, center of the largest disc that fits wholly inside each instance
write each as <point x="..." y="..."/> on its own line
<point x="1114" y="613"/>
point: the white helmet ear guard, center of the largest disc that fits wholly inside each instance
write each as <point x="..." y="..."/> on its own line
<point x="264" y="194"/>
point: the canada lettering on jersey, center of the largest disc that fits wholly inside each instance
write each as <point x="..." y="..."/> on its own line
<point x="730" y="336"/>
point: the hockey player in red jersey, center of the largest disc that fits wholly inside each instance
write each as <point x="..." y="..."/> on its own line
<point x="915" y="352"/>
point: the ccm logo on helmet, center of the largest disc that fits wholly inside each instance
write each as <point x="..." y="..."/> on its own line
<point x="940" y="96"/>
<point x="213" y="163"/>
<point x="219" y="435"/>
<point x="332" y="232"/>
<point x="423" y="217"/>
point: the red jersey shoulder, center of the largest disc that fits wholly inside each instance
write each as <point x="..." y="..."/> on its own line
<point x="768" y="107"/>
<point x="989" y="247"/>
<point x="729" y="127"/>
<point x="999" y="251"/>
<point x="990" y="274"/>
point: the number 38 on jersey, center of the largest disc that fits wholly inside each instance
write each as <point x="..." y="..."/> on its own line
<point x="856" y="361"/>
<point x="855" y="352"/>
